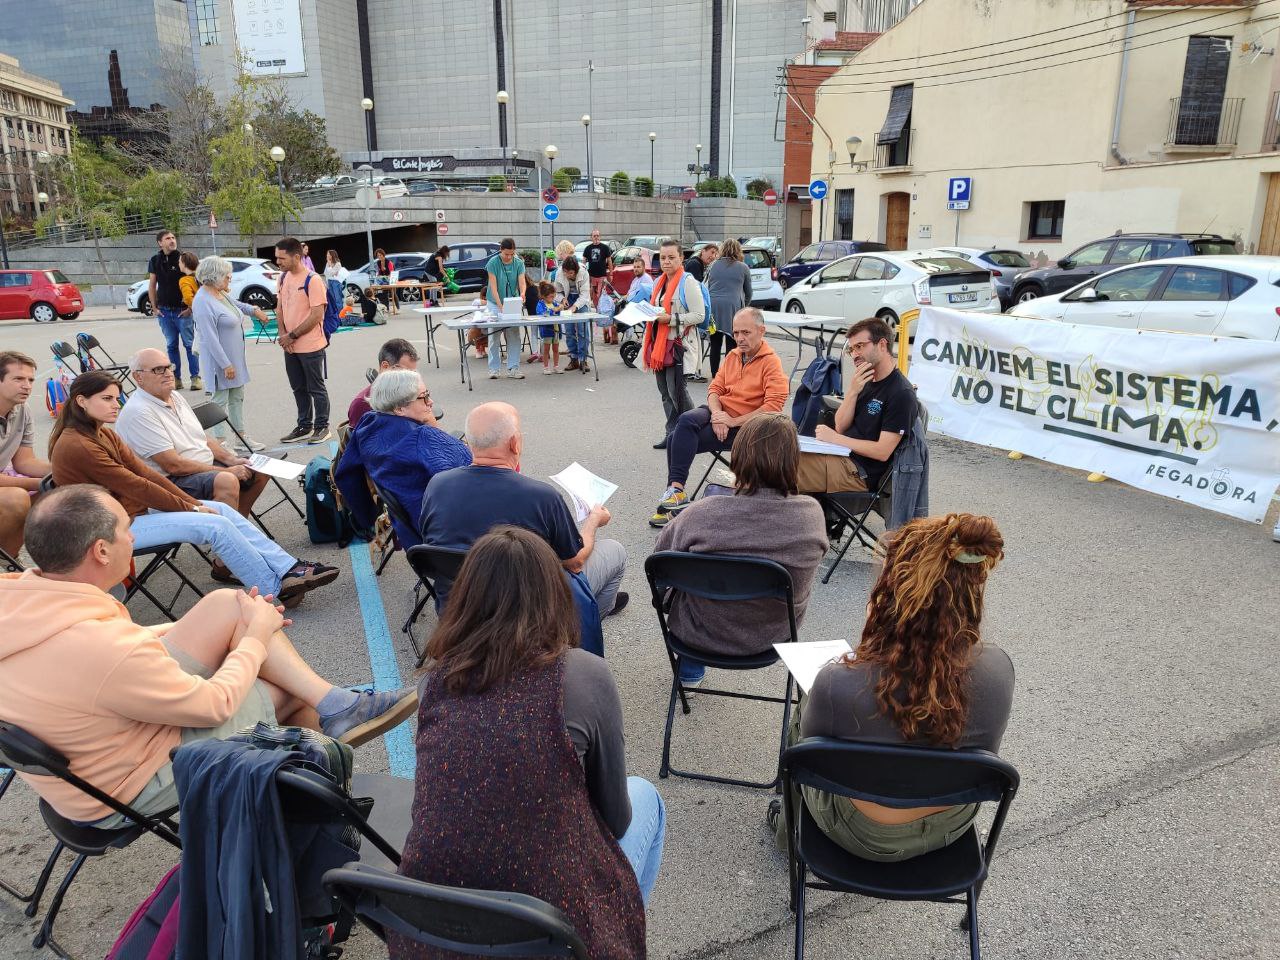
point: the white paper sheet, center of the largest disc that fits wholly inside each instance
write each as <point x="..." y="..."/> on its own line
<point x="812" y="445"/>
<point x="804" y="660"/>
<point x="584" y="488"/>
<point x="282" y="469"/>
<point x="634" y="313"/>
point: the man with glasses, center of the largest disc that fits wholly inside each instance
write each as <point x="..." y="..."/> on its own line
<point x="750" y="381"/>
<point x="878" y="408"/>
<point x="396" y="354"/>
<point x="159" y="426"/>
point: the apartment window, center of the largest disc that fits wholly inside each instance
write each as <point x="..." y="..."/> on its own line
<point x="1044" y="220"/>
<point x="893" y="142"/>
<point x="844" y="214"/>
<point x="207" y="22"/>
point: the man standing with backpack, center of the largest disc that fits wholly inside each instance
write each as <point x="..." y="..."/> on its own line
<point x="301" y="305"/>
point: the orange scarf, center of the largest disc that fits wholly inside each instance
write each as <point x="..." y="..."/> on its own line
<point x="656" y="340"/>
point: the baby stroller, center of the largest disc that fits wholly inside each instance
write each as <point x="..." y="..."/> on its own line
<point x="631" y="335"/>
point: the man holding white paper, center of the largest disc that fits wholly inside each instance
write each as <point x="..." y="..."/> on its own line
<point x="159" y="426"/>
<point x="462" y="505"/>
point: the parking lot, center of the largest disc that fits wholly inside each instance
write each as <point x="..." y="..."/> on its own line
<point x="1145" y="725"/>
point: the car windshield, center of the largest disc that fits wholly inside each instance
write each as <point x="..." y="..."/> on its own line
<point x="942" y="264"/>
<point x="1213" y="248"/>
<point x="56" y="276"/>
<point x="1007" y="258"/>
<point x="756" y="259"/>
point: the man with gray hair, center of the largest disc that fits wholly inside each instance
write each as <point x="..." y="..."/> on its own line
<point x="159" y="426"/>
<point x="461" y="506"/>
<point x="115" y="697"/>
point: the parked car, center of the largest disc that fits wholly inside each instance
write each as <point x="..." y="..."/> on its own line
<point x="887" y="285"/>
<point x="623" y="270"/>
<point x="363" y="276"/>
<point x="417" y="187"/>
<point x="253" y="281"/>
<point x="817" y="255"/>
<point x="772" y="244"/>
<point x="766" y="291"/>
<point x="42" y="295"/>
<point x="651" y="241"/>
<point x="340" y="180"/>
<point x="467" y="259"/>
<point x="1116" y="251"/>
<point x="1227" y="296"/>
<point x="1003" y="264"/>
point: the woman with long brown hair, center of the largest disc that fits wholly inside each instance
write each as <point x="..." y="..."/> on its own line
<point x="920" y="676"/>
<point x="84" y="449"/>
<point x="521" y="781"/>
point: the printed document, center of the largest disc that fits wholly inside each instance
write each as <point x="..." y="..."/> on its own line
<point x="811" y="445"/>
<point x="281" y="469"/>
<point x="804" y="660"/>
<point x="584" y="488"/>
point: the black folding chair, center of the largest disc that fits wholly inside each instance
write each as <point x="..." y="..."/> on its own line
<point x="309" y="796"/>
<point x="474" y="923"/>
<point x="717" y="456"/>
<point x="28" y="754"/>
<point x="396" y="512"/>
<point x="899" y="777"/>
<point x="210" y="415"/>
<point x="430" y="564"/>
<point x="731" y="580"/>
<point x="65" y="352"/>
<point x="32" y="899"/>
<point x="161" y="555"/>
<point x="9" y="563"/>
<point x="88" y="343"/>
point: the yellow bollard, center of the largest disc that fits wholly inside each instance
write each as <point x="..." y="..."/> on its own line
<point x="904" y="339"/>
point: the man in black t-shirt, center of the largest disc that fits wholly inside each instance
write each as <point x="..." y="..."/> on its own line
<point x="698" y="263"/>
<point x="163" y="274"/>
<point x="879" y="408"/>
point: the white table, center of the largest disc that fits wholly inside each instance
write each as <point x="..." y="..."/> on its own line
<point x="795" y="325"/>
<point x="492" y="323"/>
<point x="439" y="313"/>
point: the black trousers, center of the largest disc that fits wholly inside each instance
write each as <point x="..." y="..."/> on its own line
<point x="718" y="340"/>
<point x="306" y="380"/>
<point x="693" y="435"/>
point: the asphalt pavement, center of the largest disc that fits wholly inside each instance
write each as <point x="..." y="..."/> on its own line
<point x="1145" y="723"/>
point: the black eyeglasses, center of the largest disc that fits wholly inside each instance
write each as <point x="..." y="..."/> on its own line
<point x="425" y="396"/>
<point x="161" y="371"/>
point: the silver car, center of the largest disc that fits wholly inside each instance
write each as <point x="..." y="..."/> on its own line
<point x="253" y="281"/>
<point x="1003" y="264"/>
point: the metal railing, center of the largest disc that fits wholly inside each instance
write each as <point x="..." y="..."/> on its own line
<point x="896" y="154"/>
<point x="1204" y="123"/>
<point x="1271" y="139"/>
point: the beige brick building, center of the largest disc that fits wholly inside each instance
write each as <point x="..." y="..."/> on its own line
<point x="33" y="124"/>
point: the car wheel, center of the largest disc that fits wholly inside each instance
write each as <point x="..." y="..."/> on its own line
<point x="629" y="351"/>
<point x="1029" y="292"/>
<point x="794" y="306"/>
<point x="409" y="295"/>
<point x="69" y="316"/>
<point x="43" y="313"/>
<point x="145" y="306"/>
<point x="257" y="297"/>
<point x="889" y="317"/>
<point x="353" y="291"/>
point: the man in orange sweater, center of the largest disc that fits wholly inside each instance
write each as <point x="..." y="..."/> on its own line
<point x="114" y="697"/>
<point x="750" y="381"/>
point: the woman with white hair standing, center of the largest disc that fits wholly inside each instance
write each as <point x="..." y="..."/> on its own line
<point x="219" y="322"/>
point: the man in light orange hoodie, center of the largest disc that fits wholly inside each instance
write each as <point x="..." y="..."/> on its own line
<point x="114" y="697"/>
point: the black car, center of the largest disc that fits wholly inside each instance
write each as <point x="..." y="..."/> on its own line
<point x="817" y="255"/>
<point x="1117" y="251"/>
<point x="466" y="259"/>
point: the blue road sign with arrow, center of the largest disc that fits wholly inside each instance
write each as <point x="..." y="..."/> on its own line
<point x="550" y="212"/>
<point x="818" y="189"/>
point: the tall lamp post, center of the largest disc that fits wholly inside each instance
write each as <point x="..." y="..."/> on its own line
<point x="367" y="106"/>
<point x="586" y="125"/>
<point x="652" y="137"/>
<point x="697" y="161"/>
<point x="503" y="99"/>
<point x="277" y="154"/>
<point x="551" y="152"/>
<point x="515" y="170"/>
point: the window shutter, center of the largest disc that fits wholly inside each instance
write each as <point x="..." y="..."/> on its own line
<point x="1204" y="85"/>
<point x="899" y="113"/>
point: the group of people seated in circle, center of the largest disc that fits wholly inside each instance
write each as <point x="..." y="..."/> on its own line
<point x="518" y="644"/>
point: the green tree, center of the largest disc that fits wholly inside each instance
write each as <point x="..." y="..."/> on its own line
<point x="277" y="122"/>
<point x="642" y="187"/>
<point x="158" y="195"/>
<point x="497" y="183"/>
<point x="717" y="187"/>
<point x="573" y="173"/>
<point x="757" y="187"/>
<point x="563" y="180"/>
<point x="90" y="185"/>
<point x="620" y="183"/>
<point x="244" y="182"/>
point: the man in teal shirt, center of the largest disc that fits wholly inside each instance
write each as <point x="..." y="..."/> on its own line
<point x="505" y="279"/>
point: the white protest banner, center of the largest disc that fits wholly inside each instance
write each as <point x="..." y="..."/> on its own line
<point x="1191" y="417"/>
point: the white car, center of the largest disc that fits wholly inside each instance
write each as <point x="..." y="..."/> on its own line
<point x="772" y="244"/>
<point x="1234" y="296"/>
<point x="887" y="285"/>
<point x="253" y="281"/>
<point x="766" y="291"/>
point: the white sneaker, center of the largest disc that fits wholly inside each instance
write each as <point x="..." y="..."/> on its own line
<point x="494" y="376"/>
<point x="514" y="375"/>
<point x="253" y="445"/>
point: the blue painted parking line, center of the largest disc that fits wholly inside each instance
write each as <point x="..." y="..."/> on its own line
<point x="382" y="654"/>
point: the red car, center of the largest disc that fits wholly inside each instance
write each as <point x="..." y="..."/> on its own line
<point x="42" y="295"/>
<point x="624" y="273"/>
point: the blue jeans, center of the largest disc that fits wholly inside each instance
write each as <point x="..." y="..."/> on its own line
<point x="642" y="843"/>
<point x="576" y="335"/>
<point x="513" y="349"/>
<point x="174" y="326"/>
<point x="691" y="671"/>
<point x="252" y="556"/>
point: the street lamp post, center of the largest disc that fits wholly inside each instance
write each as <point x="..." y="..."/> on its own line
<point x="697" y="162"/>
<point x="367" y="106"/>
<point x="503" y="99"/>
<point x="586" y="125"/>
<point x="515" y="170"/>
<point x="652" y="137"/>
<point x="277" y="154"/>
<point x="551" y="152"/>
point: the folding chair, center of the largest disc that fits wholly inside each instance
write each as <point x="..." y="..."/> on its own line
<point x="64" y="352"/>
<point x="211" y="415"/>
<point x="87" y="343"/>
<point x="473" y="923"/>
<point x="28" y="754"/>
<point x="263" y="328"/>
<point x="717" y="456"/>
<point x="729" y="579"/>
<point x="32" y="899"/>
<point x="162" y="555"/>
<point x="396" y="512"/>
<point x="9" y="564"/>
<point x="900" y="777"/>
<point x="430" y="564"/>
<point x="309" y="796"/>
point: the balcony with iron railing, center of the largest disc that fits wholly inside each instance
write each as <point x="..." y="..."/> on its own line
<point x="1203" y="126"/>
<point x="894" y="156"/>
<point x="1271" y="138"/>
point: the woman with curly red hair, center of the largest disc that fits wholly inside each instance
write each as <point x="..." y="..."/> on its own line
<point x="921" y="676"/>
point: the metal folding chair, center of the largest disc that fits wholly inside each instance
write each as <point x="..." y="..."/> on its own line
<point x="711" y="576"/>
<point x="900" y="777"/>
<point x="474" y="923"/>
<point x="396" y="512"/>
<point x="9" y="563"/>
<point x="717" y="456"/>
<point x="87" y="344"/>
<point x="161" y="555"/>
<point x="210" y="415"/>
<point x="28" y="754"/>
<point x="430" y="564"/>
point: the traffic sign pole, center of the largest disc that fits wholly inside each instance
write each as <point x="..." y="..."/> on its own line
<point x="818" y="191"/>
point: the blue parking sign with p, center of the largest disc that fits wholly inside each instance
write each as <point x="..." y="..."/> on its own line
<point x="959" y="193"/>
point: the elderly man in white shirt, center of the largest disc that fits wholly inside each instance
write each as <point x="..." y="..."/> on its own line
<point x="161" y="428"/>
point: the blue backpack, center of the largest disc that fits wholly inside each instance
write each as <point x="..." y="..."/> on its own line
<point x="821" y="378"/>
<point x="332" y="305"/>
<point x="707" y="319"/>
